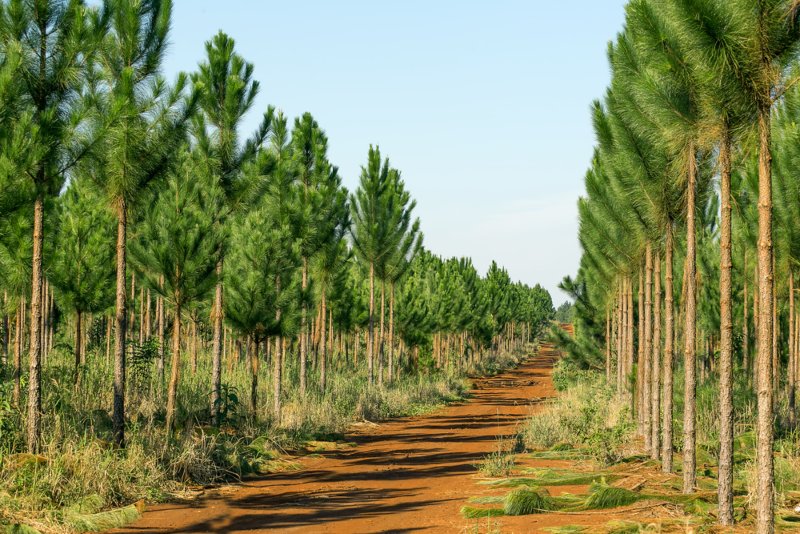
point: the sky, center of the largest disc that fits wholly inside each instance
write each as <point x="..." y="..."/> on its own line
<point x="483" y="106"/>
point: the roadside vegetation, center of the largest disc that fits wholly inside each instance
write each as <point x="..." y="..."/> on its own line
<point x="590" y="431"/>
<point x="685" y="297"/>
<point x="183" y="303"/>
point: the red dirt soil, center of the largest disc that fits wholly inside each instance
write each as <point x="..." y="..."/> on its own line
<point x="406" y="475"/>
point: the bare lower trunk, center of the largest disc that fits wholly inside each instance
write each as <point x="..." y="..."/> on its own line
<point x="745" y="329"/>
<point x="620" y="337"/>
<point x="254" y="367"/>
<point x="689" y="356"/>
<point x="277" y="363"/>
<point x="175" y="371"/>
<point x="640" y="351"/>
<point x="655" y="367"/>
<point x="18" y="351"/>
<point x="792" y="376"/>
<point x="160" y="314"/>
<point x="216" y="346"/>
<point x="35" y="354"/>
<point x="323" y="354"/>
<point x="193" y="351"/>
<point x="725" y="485"/>
<point x="381" y="336"/>
<point x="371" y="331"/>
<point x="648" y="340"/>
<point x="6" y="326"/>
<point x="118" y="417"/>
<point x="608" y="344"/>
<point x="391" y="332"/>
<point x="304" y="330"/>
<point x="77" y="350"/>
<point x="765" y="513"/>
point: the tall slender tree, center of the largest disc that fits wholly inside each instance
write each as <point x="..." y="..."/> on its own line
<point x="226" y="91"/>
<point x="54" y="39"/>
<point x="143" y="122"/>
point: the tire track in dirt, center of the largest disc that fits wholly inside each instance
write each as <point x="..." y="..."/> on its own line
<point x="406" y="475"/>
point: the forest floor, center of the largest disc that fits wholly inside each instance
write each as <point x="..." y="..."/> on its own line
<point x="406" y="475"/>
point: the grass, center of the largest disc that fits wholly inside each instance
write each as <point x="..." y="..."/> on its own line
<point x="500" y="462"/>
<point x="78" y="466"/>
<point x="526" y="501"/>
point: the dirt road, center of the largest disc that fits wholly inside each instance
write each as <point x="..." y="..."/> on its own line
<point x="407" y="475"/>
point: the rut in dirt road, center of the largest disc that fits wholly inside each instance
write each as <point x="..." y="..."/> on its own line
<point x="410" y="474"/>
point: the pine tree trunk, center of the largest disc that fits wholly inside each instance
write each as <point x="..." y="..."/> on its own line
<point x="193" y="341"/>
<point x="35" y="365"/>
<point x="277" y="367"/>
<point x="175" y="371"/>
<point x="77" y="351"/>
<point x="608" y="344"/>
<point x="147" y="318"/>
<point x="118" y="416"/>
<point x="216" y="347"/>
<point x="745" y="329"/>
<point x="371" y="332"/>
<point x="141" y="315"/>
<point x="6" y="326"/>
<point x="323" y="355"/>
<point x="792" y="377"/>
<point x="43" y="326"/>
<point x="108" y="339"/>
<point x="764" y="461"/>
<point x="725" y="485"/>
<point x="277" y="362"/>
<point x="161" y="348"/>
<point x="629" y="364"/>
<point x="756" y="319"/>
<point x="18" y="351"/>
<point x="304" y="329"/>
<point x="690" y="387"/>
<point x="381" y="336"/>
<point x="254" y="366"/>
<point x="647" y="353"/>
<point x="655" y="367"/>
<point x="620" y="336"/>
<point x="639" y="390"/>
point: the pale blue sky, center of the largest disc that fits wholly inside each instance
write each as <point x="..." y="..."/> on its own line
<point x="483" y="106"/>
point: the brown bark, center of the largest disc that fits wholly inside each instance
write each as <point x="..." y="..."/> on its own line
<point x="608" y="344"/>
<point x="323" y="354"/>
<point x="35" y="354"/>
<point x="725" y="475"/>
<point x="304" y="330"/>
<point x="193" y="351"/>
<point x="647" y="352"/>
<point x="765" y="513"/>
<point x="120" y="327"/>
<point x="175" y="371"/>
<point x="620" y="337"/>
<point x="792" y="355"/>
<point x="216" y="346"/>
<point x="77" y="351"/>
<point x="254" y="367"/>
<point x="371" y="332"/>
<point x="160" y="327"/>
<point x="655" y="367"/>
<point x="689" y="356"/>
<point x="745" y="329"/>
<point x="6" y="326"/>
<point x="381" y="335"/>
<point x="18" y="351"/>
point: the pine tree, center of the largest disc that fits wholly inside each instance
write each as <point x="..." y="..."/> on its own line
<point x="226" y="90"/>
